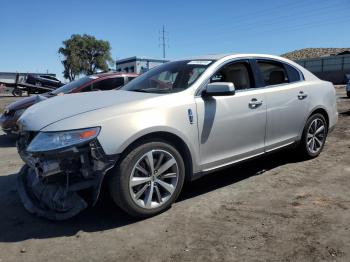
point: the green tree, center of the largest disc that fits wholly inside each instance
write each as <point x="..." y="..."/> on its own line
<point x="84" y="54"/>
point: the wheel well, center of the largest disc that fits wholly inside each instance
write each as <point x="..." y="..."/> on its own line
<point x="322" y="112"/>
<point x="172" y="139"/>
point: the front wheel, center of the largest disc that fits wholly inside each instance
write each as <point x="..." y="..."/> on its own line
<point x="148" y="179"/>
<point x="314" y="136"/>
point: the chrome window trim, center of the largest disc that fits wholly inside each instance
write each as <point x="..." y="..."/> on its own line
<point x="249" y="58"/>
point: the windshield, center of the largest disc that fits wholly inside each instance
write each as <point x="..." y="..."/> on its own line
<point x="72" y="85"/>
<point x="171" y="77"/>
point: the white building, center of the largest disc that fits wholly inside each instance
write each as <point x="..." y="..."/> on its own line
<point x="137" y="65"/>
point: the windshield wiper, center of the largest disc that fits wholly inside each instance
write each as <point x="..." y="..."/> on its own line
<point x="152" y="90"/>
<point x="141" y="90"/>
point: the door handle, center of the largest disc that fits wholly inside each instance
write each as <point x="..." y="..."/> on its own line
<point x="255" y="103"/>
<point x="302" y="95"/>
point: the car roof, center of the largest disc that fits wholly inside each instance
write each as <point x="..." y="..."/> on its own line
<point x="101" y="75"/>
<point x="230" y="55"/>
<point x="205" y="57"/>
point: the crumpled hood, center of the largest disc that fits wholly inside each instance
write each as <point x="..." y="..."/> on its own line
<point x="26" y="102"/>
<point x="60" y="107"/>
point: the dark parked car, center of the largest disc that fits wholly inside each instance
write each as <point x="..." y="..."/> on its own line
<point x="44" y="80"/>
<point x="104" y="81"/>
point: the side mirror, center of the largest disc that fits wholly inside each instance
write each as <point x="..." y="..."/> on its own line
<point x="219" y="89"/>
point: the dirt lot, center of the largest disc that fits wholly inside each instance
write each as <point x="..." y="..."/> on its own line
<point x="273" y="209"/>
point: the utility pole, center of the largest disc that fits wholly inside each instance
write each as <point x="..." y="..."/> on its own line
<point x="163" y="39"/>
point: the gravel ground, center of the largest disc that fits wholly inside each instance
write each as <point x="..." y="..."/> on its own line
<point x="277" y="208"/>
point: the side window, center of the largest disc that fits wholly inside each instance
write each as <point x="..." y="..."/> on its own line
<point x="238" y="73"/>
<point x="293" y="74"/>
<point x="87" y="88"/>
<point x="131" y="78"/>
<point x="108" y="84"/>
<point x="273" y="73"/>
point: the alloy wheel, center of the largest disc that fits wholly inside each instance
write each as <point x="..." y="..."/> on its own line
<point x="316" y="135"/>
<point x="153" y="179"/>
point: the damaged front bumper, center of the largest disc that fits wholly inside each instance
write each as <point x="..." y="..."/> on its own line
<point x="59" y="184"/>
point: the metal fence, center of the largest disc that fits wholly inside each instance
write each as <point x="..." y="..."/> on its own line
<point x="335" y="69"/>
<point x="326" y="64"/>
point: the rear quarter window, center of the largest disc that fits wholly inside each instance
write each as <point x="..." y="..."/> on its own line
<point x="293" y="74"/>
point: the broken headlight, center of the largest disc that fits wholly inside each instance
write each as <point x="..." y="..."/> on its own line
<point x="46" y="141"/>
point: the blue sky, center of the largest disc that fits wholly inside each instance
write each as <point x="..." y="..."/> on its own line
<point x="32" y="31"/>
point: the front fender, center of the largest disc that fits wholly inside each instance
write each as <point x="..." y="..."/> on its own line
<point x="119" y="130"/>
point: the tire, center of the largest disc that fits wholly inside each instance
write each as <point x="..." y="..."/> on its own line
<point x="164" y="186"/>
<point x="313" y="134"/>
<point x="17" y="92"/>
<point x="348" y="93"/>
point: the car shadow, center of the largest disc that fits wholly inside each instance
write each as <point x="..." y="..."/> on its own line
<point x="7" y="140"/>
<point x="16" y="224"/>
<point x="238" y="173"/>
<point x="345" y="113"/>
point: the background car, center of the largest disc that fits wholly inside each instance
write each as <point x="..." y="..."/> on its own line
<point x="348" y="89"/>
<point x="44" y="80"/>
<point x="104" y="81"/>
<point x="148" y="138"/>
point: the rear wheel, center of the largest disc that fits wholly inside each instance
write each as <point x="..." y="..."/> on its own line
<point x="314" y="136"/>
<point x="148" y="179"/>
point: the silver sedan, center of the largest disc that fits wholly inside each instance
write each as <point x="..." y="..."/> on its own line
<point x="177" y="122"/>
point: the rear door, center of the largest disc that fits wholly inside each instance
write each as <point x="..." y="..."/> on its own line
<point x="286" y="101"/>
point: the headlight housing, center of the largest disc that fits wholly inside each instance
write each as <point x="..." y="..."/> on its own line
<point x="47" y="141"/>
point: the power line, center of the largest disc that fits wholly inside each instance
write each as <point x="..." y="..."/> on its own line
<point x="164" y="40"/>
<point x="238" y="17"/>
<point x="282" y="29"/>
<point x="278" y="18"/>
<point x="243" y="27"/>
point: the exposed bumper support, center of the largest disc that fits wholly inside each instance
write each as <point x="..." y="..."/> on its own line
<point x="51" y="183"/>
<point x="29" y="187"/>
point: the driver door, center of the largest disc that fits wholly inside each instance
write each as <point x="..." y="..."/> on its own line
<point x="231" y="128"/>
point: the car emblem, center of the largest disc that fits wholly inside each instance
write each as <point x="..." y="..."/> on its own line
<point x="190" y="116"/>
